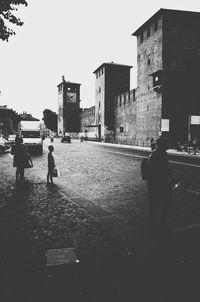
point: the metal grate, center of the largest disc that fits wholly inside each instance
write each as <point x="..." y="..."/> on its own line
<point x="61" y="256"/>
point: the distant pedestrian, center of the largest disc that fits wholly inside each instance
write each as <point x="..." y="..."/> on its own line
<point x="21" y="158"/>
<point x="51" y="164"/>
<point x="153" y="144"/>
<point x="51" y="138"/>
<point x="195" y="145"/>
<point x="159" y="184"/>
<point x="179" y="146"/>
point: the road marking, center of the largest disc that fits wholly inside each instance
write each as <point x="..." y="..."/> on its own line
<point x="185" y="164"/>
<point x="142" y="156"/>
<point x="194" y="192"/>
<point x="121" y="153"/>
<point x="186" y="227"/>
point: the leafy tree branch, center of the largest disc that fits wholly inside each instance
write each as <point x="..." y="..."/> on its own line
<point x="7" y="8"/>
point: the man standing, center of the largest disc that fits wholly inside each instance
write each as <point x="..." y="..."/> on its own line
<point x="159" y="184"/>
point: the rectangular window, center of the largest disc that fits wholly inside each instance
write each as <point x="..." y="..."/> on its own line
<point x="148" y="60"/>
<point x="141" y="37"/>
<point x="156" y="25"/>
<point x="148" y="32"/>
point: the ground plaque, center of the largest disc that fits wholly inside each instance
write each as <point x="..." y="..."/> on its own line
<point x="61" y="256"/>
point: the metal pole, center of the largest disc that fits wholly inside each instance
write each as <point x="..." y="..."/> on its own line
<point x="189" y="121"/>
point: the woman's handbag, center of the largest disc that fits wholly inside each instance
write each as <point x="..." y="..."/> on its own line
<point x="55" y="172"/>
<point x="29" y="163"/>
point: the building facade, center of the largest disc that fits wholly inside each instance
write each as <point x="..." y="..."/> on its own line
<point x="168" y="56"/>
<point x="167" y="94"/>
<point x="68" y="107"/>
<point x="111" y="79"/>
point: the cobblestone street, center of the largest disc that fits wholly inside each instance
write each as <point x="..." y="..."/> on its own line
<point x="34" y="219"/>
<point x="112" y="182"/>
<point x="99" y="207"/>
<point x="104" y="178"/>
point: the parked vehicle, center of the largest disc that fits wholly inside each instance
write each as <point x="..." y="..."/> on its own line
<point x="32" y="135"/>
<point x="66" y="138"/>
<point x="4" y="145"/>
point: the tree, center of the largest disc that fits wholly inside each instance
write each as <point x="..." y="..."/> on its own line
<point x="50" y="119"/>
<point x="6" y="15"/>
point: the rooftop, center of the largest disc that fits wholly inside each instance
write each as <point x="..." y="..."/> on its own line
<point x="112" y="64"/>
<point x="64" y="81"/>
<point x="163" y="11"/>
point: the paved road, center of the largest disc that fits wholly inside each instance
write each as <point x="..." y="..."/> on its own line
<point x="110" y="179"/>
<point x="100" y="207"/>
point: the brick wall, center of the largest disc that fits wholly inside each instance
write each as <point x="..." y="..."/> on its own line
<point x="139" y="111"/>
<point x="148" y="101"/>
<point x="87" y="119"/>
<point x="125" y="116"/>
<point x="181" y="61"/>
<point x="100" y="100"/>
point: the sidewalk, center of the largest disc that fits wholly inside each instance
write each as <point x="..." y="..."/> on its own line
<point x="148" y="149"/>
<point x="35" y="218"/>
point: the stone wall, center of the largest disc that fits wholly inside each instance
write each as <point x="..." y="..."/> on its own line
<point x="100" y="100"/>
<point x="87" y="122"/>
<point x="125" y="116"/>
<point x="148" y="101"/>
<point x="181" y="62"/>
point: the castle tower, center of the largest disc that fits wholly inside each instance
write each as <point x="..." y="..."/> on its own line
<point x="168" y="60"/>
<point x="68" y="107"/>
<point x="111" y="79"/>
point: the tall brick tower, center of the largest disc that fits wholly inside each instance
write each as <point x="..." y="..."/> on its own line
<point x="68" y="107"/>
<point x="168" y="59"/>
<point x="111" y="79"/>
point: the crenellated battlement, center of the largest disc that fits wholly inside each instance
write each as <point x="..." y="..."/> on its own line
<point x="86" y="112"/>
<point x="125" y="98"/>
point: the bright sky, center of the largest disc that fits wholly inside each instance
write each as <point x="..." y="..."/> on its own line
<point x="70" y="38"/>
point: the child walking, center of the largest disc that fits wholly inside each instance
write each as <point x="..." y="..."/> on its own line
<point x="51" y="165"/>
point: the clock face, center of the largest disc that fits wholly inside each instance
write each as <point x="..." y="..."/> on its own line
<point x="71" y="97"/>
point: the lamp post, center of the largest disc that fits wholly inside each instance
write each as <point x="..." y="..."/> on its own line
<point x="121" y="131"/>
<point x="189" y="135"/>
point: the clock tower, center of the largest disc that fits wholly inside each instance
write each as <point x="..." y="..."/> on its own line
<point x="68" y="107"/>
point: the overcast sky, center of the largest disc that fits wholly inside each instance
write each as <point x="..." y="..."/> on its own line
<point x="71" y="38"/>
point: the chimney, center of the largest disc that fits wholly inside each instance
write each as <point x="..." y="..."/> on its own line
<point x="63" y="78"/>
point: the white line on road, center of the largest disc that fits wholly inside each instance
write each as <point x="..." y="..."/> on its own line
<point x="180" y="163"/>
<point x="186" y="227"/>
<point x="142" y="156"/>
<point x="185" y="164"/>
<point x="128" y="154"/>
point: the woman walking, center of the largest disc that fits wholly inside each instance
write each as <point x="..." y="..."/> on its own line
<point x="21" y="158"/>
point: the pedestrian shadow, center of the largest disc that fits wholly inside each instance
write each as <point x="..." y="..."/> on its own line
<point x="22" y="190"/>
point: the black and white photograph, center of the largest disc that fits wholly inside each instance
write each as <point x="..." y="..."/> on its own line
<point x="99" y="151"/>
